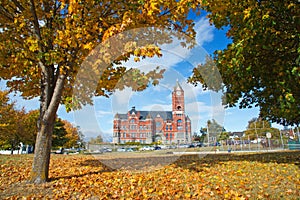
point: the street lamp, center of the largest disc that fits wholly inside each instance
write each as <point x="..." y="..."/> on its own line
<point x="256" y="133"/>
<point x="269" y="135"/>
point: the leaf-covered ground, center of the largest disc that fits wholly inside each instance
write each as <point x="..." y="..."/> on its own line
<point x="215" y="176"/>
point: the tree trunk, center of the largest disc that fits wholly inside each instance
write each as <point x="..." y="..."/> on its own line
<point x="41" y="161"/>
<point x="51" y="92"/>
<point x="12" y="148"/>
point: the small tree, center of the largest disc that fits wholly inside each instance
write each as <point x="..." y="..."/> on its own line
<point x="74" y="136"/>
<point x="11" y="123"/>
<point x="258" y="127"/>
<point x="97" y="140"/>
<point x="30" y="126"/>
<point x="59" y="137"/>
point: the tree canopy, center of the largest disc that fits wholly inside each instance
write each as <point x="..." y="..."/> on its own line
<point x="261" y="67"/>
<point x="18" y="126"/>
<point x="96" y="140"/>
<point x="258" y="128"/>
<point x="45" y="43"/>
<point x="11" y="123"/>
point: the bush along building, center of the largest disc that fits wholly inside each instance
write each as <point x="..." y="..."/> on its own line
<point x="169" y="127"/>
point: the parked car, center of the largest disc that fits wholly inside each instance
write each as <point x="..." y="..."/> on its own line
<point x="106" y="149"/>
<point x="157" y="148"/>
<point x="147" y="148"/>
<point x="121" y="149"/>
<point x="129" y="150"/>
<point x="60" y="151"/>
<point x="199" y="145"/>
<point x="183" y="146"/>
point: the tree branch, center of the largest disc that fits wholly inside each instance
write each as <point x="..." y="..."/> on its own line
<point x="35" y="21"/>
<point x="4" y="12"/>
<point x="18" y="5"/>
<point x="56" y="97"/>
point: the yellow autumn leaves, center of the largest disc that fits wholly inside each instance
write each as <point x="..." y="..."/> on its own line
<point x="228" y="176"/>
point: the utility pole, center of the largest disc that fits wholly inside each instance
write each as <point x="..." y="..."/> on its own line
<point x="256" y="134"/>
<point x="281" y="139"/>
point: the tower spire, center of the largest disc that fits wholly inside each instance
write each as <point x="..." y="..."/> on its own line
<point x="178" y="86"/>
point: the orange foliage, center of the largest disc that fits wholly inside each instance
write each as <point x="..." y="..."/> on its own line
<point x="227" y="176"/>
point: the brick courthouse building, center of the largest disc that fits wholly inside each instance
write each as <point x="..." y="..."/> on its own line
<point x="169" y="127"/>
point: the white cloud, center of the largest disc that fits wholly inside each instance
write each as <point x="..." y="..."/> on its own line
<point x="101" y="113"/>
<point x="174" y="53"/>
<point x="157" y="107"/>
<point x="120" y="100"/>
<point x="191" y="92"/>
<point x="198" y="107"/>
<point x="204" y="31"/>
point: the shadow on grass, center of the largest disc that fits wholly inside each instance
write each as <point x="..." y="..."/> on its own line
<point x="132" y="163"/>
<point x="142" y="163"/>
<point x="91" y="163"/>
<point x="145" y="164"/>
<point x="289" y="157"/>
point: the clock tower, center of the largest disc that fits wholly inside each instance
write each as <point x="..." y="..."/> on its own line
<point x="178" y="100"/>
<point x="178" y="113"/>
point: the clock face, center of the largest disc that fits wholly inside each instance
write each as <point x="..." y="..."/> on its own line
<point x="178" y="92"/>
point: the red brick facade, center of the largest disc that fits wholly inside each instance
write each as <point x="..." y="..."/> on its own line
<point x="170" y="127"/>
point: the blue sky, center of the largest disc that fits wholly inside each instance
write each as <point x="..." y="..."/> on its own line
<point x="178" y="62"/>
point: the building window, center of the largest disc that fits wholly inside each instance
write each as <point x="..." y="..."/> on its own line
<point x="158" y="124"/>
<point x="179" y="124"/>
<point x="132" y="127"/>
<point x="168" y="127"/>
<point x="132" y="121"/>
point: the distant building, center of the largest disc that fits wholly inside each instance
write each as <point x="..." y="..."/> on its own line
<point x="234" y="135"/>
<point x="149" y="126"/>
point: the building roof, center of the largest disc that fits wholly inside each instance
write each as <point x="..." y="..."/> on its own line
<point x="165" y="115"/>
<point x="177" y="86"/>
<point x="236" y="134"/>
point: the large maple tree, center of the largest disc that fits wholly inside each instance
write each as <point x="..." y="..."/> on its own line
<point x="261" y="67"/>
<point x="43" y="44"/>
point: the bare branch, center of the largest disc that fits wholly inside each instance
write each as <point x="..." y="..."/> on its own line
<point x="18" y="5"/>
<point x="35" y="21"/>
<point x="5" y="13"/>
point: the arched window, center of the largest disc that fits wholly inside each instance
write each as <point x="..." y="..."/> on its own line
<point x="179" y="124"/>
